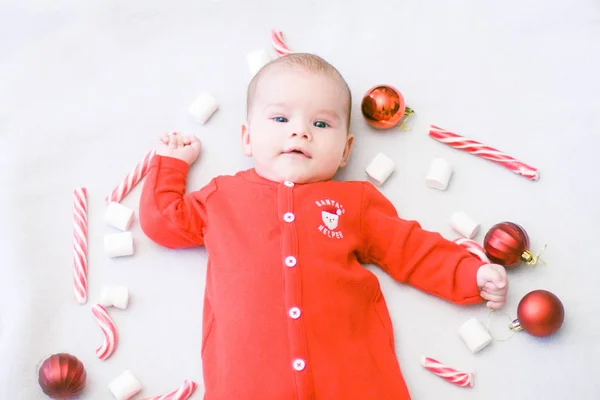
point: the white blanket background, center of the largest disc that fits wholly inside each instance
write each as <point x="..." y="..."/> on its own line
<point x="87" y="87"/>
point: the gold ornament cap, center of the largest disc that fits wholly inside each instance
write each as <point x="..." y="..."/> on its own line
<point x="515" y="326"/>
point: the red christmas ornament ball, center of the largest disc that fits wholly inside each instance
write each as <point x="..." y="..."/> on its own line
<point x="383" y="106"/>
<point x="507" y="244"/>
<point x="62" y="376"/>
<point x="540" y="313"/>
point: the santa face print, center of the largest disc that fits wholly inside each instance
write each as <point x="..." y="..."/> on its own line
<point x="331" y="212"/>
<point x="330" y="220"/>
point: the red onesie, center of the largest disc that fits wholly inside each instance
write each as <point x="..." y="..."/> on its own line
<point x="289" y="311"/>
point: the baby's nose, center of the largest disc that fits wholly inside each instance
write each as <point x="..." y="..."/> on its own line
<point x="302" y="132"/>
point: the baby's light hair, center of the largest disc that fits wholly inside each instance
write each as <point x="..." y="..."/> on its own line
<point x="306" y="61"/>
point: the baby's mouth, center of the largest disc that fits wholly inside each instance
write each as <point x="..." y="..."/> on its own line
<point x="296" y="151"/>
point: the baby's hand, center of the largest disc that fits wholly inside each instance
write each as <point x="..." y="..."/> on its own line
<point x="186" y="148"/>
<point x="491" y="280"/>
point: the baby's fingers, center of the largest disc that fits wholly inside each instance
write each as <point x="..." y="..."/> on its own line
<point x="179" y="141"/>
<point x="494" y="304"/>
<point x="495" y="299"/>
<point x="493" y="296"/>
<point x="173" y="140"/>
<point x="164" y="138"/>
<point x="195" y="143"/>
<point x="492" y="287"/>
<point x="495" y="291"/>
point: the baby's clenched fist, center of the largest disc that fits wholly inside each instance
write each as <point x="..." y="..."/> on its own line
<point x="492" y="281"/>
<point x="185" y="148"/>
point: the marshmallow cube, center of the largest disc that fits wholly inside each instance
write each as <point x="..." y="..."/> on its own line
<point x="380" y="168"/>
<point x="463" y="224"/>
<point x="118" y="216"/>
<point x="118" y="244"/>
<point x="475" y="336"/>
<point x="256" y="60"/>
<point x="203" y="107"/>
<point x="125" y="386"/>
<point x="439" y="174"/>
<point x="117" y="296"/>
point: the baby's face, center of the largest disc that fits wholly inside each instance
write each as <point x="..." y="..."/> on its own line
<point x="297" y="127"/>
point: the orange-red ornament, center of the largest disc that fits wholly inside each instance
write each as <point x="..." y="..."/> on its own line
<point x="383" y="107"/>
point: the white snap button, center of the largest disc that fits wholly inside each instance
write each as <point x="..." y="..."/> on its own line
<point x="295" y="312"/>
<point x="299" y="364"/>
<point x="288" y="183"/>
<point x="288" y="217"/>
<point x="290" y="261"/>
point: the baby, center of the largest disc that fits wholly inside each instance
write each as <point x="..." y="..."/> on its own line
<point x="289" y="311"/>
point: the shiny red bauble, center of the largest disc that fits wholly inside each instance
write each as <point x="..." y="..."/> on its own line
<point x="507" y="244"/>
<point x="62" y="376"/>
<point x="540" y="313"/>
<point x="383" y="107"/>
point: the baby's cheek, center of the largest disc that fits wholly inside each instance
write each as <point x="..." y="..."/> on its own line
<point x="263" y="148"/>
<point x="333" y="161"/>
<point x="332" y="155"/>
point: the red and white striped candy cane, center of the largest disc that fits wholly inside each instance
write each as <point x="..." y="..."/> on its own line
<point x="474" y="248"/>
<point x="80" y="244"/>
<point x="277" y="40"/>
<point x="131" y="179"/>
<point x="184" y="392"/>
<point x="108" y="329"/>
<point x="464" y="379"/>
<point x="481" y="150"/>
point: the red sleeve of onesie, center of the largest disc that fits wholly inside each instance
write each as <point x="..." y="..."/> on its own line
<point x="168" y="215"/>
<point x="413" y="255"/>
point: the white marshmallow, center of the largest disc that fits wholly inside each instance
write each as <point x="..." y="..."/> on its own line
<point x="117" y="296"/>
<point x="380" y="168"/>
<point x="439" y="174"/>
<point x="463" y="224"/>
<point x="125" y="386"/>
<point x="475" y="336"/>
<point x="118" y="244"/>
<point x="118" y="216"/>
<point x="203" y="107"/>
<point x="256" y="60"/>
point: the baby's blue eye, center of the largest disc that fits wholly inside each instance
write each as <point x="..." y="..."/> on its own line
<point x="321" y="124"/>
<point x="280" y="119"/>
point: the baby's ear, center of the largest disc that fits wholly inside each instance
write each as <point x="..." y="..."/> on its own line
<point x="246" y="148"/>
<point x="347" y="150"/>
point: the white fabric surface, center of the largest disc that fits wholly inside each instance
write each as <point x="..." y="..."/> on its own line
<point x="87" y="86"/>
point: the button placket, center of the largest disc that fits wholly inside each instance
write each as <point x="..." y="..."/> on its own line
<point x="292" y="286"/>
